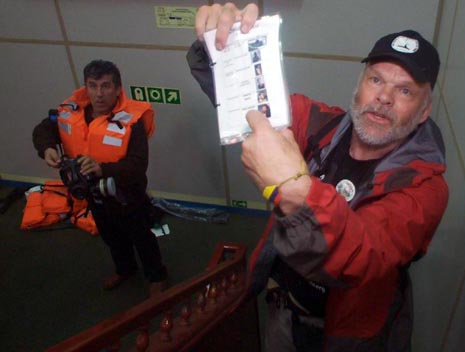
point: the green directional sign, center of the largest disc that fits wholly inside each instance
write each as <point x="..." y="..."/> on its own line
<point x="172" y="96"/>
<point x="138" y="93"/>
<point x="239" y="203"/>
<point x="155" y="95"/>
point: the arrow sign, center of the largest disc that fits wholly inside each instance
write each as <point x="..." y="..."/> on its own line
<point x="156" y="94"/>
<point x="172" y="96"/>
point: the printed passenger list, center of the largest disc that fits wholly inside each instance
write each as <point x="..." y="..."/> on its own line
<point x="248" y="75"/>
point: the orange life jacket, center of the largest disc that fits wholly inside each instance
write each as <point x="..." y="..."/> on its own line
<point x="106" y="138"/>
<point x="82" y="217"/>
<point x="53" y="204"/>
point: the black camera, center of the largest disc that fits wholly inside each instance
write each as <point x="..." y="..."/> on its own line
<point x="84" y="187"/>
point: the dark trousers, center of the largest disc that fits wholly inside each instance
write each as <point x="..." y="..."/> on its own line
<point x="287" y="331"/>
<point x="123" y="231"/>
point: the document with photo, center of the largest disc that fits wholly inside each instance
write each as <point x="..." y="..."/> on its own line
<point x="248" y="75"/>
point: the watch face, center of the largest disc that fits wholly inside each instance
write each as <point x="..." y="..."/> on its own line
<point x="405" y="44"/>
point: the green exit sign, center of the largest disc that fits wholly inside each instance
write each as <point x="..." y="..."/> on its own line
<point x="239" y="203"/>
<point x="138" y="93"/>
<point x="156" y="94"/>
<point x="172" y="96"/>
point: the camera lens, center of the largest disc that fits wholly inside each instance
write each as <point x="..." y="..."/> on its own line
<point x="79" y="191"/>
<point x="107" y="187"/>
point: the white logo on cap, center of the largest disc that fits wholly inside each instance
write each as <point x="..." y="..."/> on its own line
<point x="405" y="44"/>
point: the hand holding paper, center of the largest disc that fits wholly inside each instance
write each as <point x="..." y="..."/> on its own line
<point x="222" y="18"/>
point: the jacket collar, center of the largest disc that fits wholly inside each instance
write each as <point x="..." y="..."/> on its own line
<point x="425" y="143"/>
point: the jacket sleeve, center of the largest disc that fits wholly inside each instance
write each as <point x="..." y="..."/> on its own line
<point x="199" y="64"/>
<point x="45" y="135"/>
<point x="331" y="243"/>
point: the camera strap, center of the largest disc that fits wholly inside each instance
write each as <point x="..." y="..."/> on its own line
<point x="49" y="188"/>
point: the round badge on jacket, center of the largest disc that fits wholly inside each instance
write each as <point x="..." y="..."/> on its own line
<point x="346" y="189"/>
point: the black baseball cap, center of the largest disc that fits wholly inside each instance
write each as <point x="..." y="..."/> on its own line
<point x="417" y="55"/>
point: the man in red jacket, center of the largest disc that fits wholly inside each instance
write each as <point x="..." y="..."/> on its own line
<point x="358" y="196"/>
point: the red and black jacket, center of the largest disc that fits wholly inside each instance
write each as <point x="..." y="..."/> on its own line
<point x="360" y="250"/>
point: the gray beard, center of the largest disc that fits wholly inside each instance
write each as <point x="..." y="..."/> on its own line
<point x="394" y="134"/>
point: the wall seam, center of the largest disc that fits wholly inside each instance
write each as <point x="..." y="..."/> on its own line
<point x="437" y="25"/>
<point x="70" y="43"/>
<point x="442" y="96"/>
<point x="66" y="43"/>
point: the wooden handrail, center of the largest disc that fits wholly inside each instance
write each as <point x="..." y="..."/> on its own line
<point x="221" y="285"/>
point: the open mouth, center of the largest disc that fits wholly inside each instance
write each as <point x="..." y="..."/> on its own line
<point x="378" y="116"/>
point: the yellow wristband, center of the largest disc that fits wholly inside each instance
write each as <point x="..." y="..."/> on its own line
<point x="268" y="191"/>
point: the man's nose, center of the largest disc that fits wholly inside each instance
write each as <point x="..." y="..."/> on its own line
<point x="385" y="95"/>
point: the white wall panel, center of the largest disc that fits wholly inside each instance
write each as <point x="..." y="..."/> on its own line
<point x="34" y="77"/>
<point x="454" y="97"/>
<point x="29" y="19"/>
<point x="348" y="27"/>
<point x="122" y="22"/>
<point x="452" y="48"/>
<point x="455" y="340"/>
<point x="325" y="80"/>
<point x="437" y="276"/>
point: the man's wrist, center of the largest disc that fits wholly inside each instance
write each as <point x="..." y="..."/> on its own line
<point x="43" y="151"/>
<point x="294" y="193"/>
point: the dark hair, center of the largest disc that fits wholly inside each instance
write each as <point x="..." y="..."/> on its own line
<point x="98" y="68"/>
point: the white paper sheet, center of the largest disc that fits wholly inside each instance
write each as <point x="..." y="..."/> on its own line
<point x="248" y="75"/>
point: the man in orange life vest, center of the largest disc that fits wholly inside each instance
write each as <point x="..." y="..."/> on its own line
<point x="108" y="134"/>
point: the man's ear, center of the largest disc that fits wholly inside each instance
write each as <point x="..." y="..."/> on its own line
<point x="426" y="111"/>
